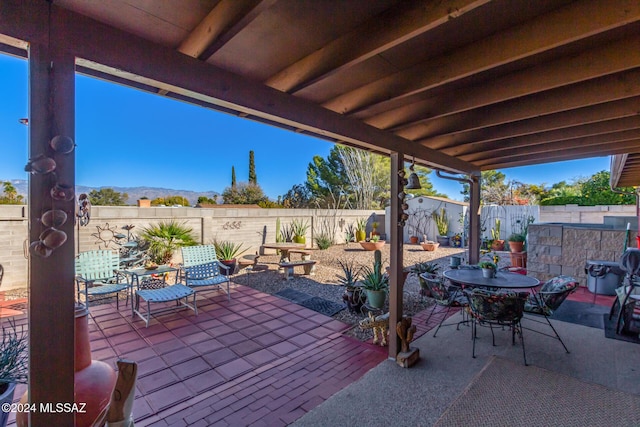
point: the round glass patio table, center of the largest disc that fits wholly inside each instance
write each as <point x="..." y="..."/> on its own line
<point x="503" y="279"/>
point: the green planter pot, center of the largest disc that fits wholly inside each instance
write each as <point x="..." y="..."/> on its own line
<point x="299" y="239"/>
<point x="376" y="299"/>
<point x="361" y="235"/>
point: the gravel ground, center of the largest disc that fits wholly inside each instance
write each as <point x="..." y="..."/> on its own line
<point x="324" y="283"/>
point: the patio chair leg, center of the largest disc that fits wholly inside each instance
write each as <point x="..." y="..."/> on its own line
<point x="557" y="336"/>
<point x="474" y="328"/>
<point x="524" y="353"/>
<point x="493" y="337"/>
<point x="441" y="321"/>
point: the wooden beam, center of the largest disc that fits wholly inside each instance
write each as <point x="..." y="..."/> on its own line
<point x="51" y="279"/>
<point x="123" y="53"/>
<point x="396" y="279"/>
<point x="605" y="149"/>
<point x="224" y="21"/>
<point x="590" y="64"/>
<point x="618" y="164"/>
<point x="378" y="34"/>
<point x="605" y="89"/>
<point x="581" y="116"/>
<point x="474" y="218"/>
<point x="533" y="37"/>
<point x="474" y="152"/>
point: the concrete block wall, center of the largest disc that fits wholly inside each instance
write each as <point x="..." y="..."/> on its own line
<point x="555" y="249"/>
<point x="583" y="214"/>
<point x="251" y="227"/>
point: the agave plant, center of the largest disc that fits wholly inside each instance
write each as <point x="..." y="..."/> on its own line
<point x="165" y="238"/>
<point x="350" y="273"/>
<point x="227" y="250"/>
<point x="13" y="357"/>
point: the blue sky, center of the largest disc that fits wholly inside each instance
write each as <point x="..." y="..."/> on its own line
<point x="126" y="138"/>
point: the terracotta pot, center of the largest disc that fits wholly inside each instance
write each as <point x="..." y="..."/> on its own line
<point x="516" y="246"/>
<point x="372" y="246"/>
<point x="429" y="246"/>
<point x="497" y="245"/>
<point x="413" y="240"/>
<point x="94" y="380"/>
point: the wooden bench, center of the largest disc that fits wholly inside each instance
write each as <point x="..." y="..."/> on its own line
<point x="309" y="268"/>
<point x="305" y="254"/>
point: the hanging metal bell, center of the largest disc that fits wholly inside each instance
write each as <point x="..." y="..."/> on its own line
<point x="414" y="182"/>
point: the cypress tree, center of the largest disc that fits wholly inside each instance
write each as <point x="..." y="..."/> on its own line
<point x="233" y="176"/>
<point x="253" y="179"/>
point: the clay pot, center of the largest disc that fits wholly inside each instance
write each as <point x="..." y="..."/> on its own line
<point x="413" y="240"/>
<point x="94" y="380"/>
<point x="516" y="246"/>
<point x="429" y="246"/>
<point x="497" y="245"/>
<point x="372" y="246"/>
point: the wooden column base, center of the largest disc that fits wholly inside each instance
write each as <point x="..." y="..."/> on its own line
<point x="407" y="359"/>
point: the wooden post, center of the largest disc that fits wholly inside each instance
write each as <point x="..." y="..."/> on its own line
<point x="395" y="279"/>
<point x="51" y="279"/>
<point x="474" y="219"/>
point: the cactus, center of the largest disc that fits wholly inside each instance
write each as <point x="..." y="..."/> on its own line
<point x="278" y="233"/>
<point x="377" y="262"/>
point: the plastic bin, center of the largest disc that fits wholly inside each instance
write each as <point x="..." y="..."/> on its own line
<point x="603" y="277"/>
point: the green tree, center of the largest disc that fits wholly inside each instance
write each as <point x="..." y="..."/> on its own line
<point x="233" y="176"/>
<point x="253" y="179"/>
<point x="207" y="200"/>
<point x="108" y="197"/>
<point x="170" y="201"/>
<point x="244" y="194"/>
<point x="297" y="197"/>
<point x="493" y="189"/>
<point x="597" y="191"/>
<point x="10" y="195"/>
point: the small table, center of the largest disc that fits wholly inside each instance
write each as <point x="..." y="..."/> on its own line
<point x="284" y="248"/>
<point x="503" y="280"/>
<point x="137" y="273"/>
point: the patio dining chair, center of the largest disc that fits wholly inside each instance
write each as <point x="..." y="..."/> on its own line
<point x="628" y="295"/>
<point x="201" y="269"/>
<point x="449" y="296"/>
<point x="97" y="276"/>
<point x="547" y="300"/>
<point x="496" y="308"/>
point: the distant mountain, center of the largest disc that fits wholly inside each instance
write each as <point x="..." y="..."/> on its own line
<point x="134" y="193"/>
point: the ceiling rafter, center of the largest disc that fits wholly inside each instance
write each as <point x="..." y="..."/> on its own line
<point x="618" y="109"/>
<point x="547" y="32"/>
<point x="587" y="65"/>
<point x="371" y="38"/>
<point x="473" y="152"/>
<point x="596" y="91"/>
<point x="584" y="144"/>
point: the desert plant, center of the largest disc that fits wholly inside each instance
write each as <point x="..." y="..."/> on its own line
<point x="517" y="237"/>
<point x="349" y="233"/>
<point x="425" y="267"/>
<point x="350" y="273"/>
<point x="227" y="250"/>
<point x="373" y="279"/>
<point x="495" y="231"/>
<point x="286" y="234"/>
<point x="165" y="238"/>
<point x="442" y="222"/>
<point x="323" y="241"/>
<point x="279" y="237"/>
<point x="299" y="227"/>
<point x="14" y="360"/>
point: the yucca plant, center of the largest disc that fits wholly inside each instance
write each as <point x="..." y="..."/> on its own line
<point x="165" y="238"/>
<point x="14" y="360"/>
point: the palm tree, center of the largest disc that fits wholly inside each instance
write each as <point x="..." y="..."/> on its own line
<point x="165" y="238"/>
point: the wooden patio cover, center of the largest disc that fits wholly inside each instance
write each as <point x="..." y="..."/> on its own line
<point x="461" y="85"/>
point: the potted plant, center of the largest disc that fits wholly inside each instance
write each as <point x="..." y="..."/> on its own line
<point x="372" y="244"/>
<point x="516" y="242"/>
<point x="353" y="294"/>
<point x="375" y="282"/>
<point x="374" y="228"/>
<point x="361" y="234"/>
<point x="299" y="229"/>
<point x="414" y="240"/>
<point x="165" y="238"/>
<point x="442" y="223"/>
<point x="425" y="267"/>
<point x="13" y="365"/>
<point x="488" y="269"/>
<point x="497" y="243"/>
<point x="227" y="253"/>
<point x="456" y="240"/>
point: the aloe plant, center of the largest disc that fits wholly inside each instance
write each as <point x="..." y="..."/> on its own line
<point x="226" y="250"/>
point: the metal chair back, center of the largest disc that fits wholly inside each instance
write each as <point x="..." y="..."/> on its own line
<point x="97" y="265"/>
<point x="198" y="255"/>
